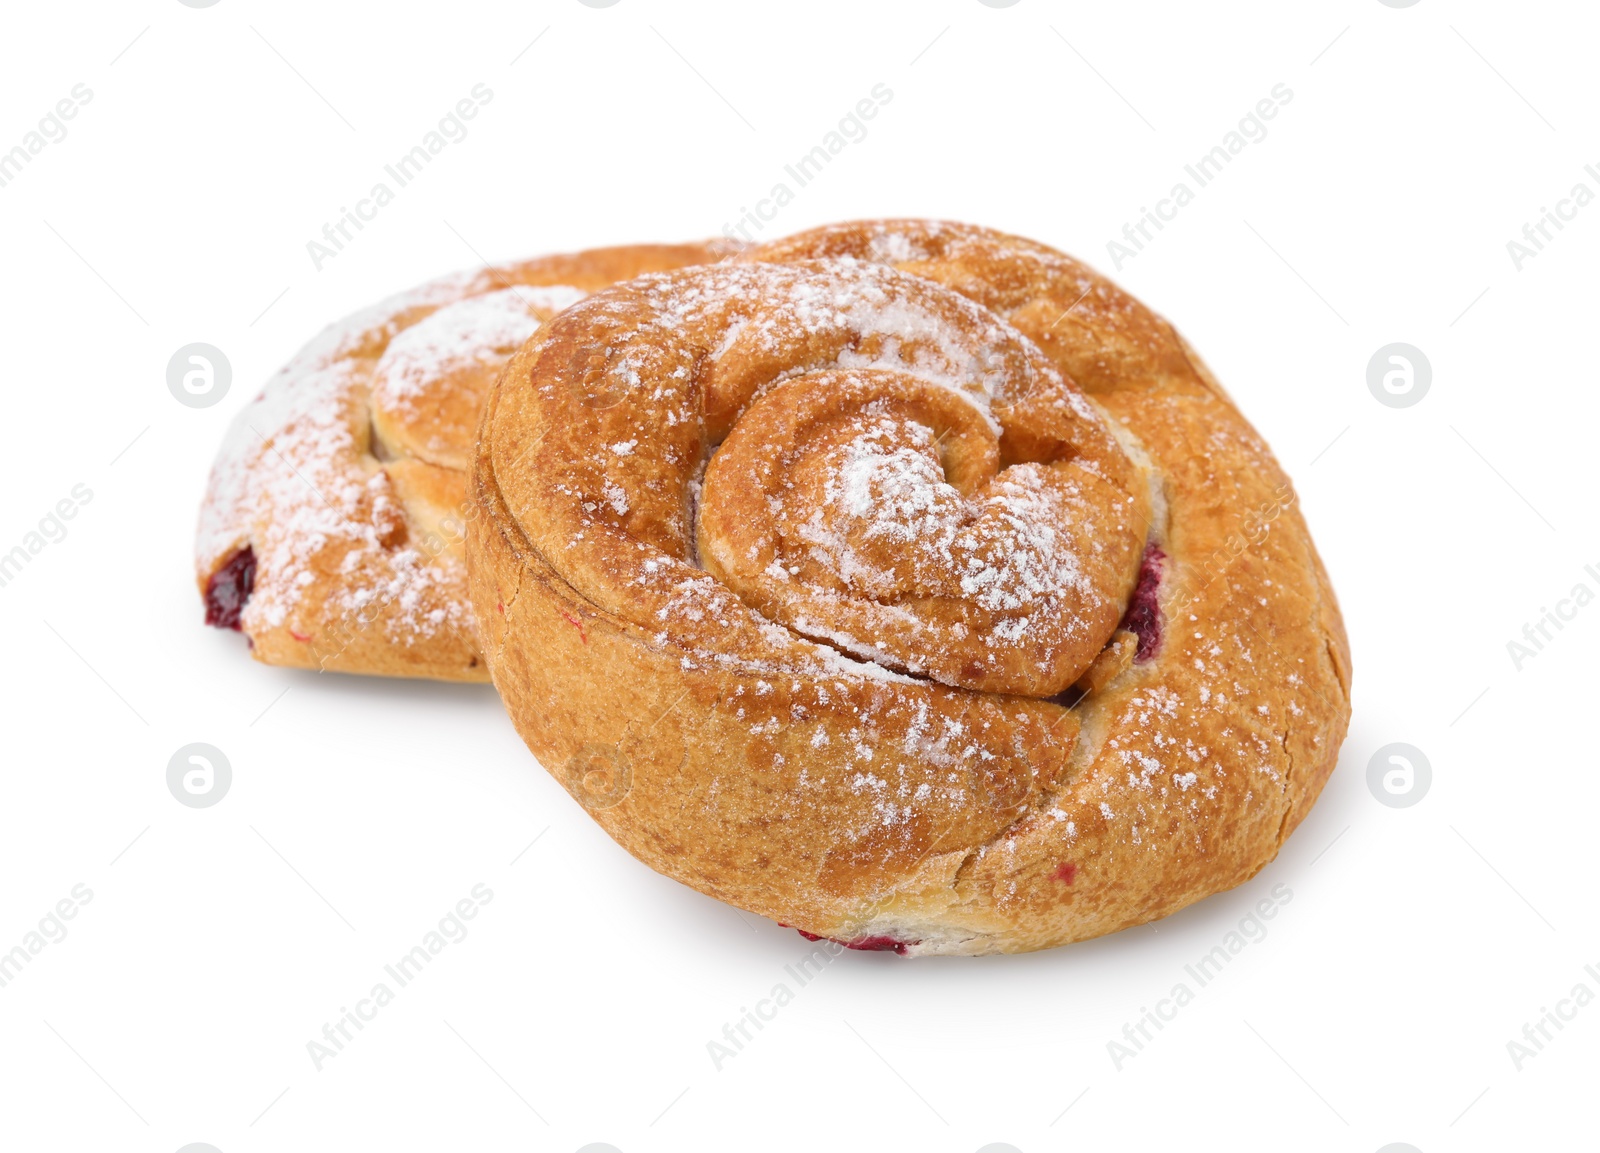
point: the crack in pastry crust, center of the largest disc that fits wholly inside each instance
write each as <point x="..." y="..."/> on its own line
<point x="1126" y="709"/>
<point x="332" y="529"/>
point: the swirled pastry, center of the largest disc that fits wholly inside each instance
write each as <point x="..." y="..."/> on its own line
<point x="907" y="583"/>
<point x="331" y="532"/>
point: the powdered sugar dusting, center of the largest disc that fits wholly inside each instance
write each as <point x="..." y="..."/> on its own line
<point x="293" y="480"/>
<point x="1010" y="549"/>
<point x="478" y="330"/>
<point x="296" y="481"/>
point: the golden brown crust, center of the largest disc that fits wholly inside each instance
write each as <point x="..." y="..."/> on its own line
<point x="728" y="738"/>
<point x="342" y="487"/>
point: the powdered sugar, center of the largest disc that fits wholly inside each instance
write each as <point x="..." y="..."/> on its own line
<point x="295" y="479"/>
<point x="478" y="330"/>
<point x="883" y="490"/>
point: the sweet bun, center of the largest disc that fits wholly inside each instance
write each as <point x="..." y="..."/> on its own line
<point x="907" y="583"/>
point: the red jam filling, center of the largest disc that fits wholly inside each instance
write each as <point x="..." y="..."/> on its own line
<point x="228" y="589"/>
<point x="879" y="945"/>
<point x="1066" y="872"/>
<point x="865" y="944"/>
<point x="1143" y="618"/>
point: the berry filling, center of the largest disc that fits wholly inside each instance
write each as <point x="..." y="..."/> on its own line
<point x="1143" y="618"/>
<point x="1065" y="872"/>
<point x="228" y="589"/>
<point x="865" y="944"/>
<point x="879" y="945"/>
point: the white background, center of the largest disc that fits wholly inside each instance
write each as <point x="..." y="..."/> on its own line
<point x="218" y="941"/>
